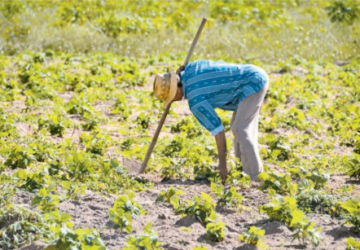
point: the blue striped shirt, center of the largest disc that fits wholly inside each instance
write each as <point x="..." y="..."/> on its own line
<point x="208" y="85"/>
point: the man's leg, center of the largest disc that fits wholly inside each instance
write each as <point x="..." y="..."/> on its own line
<point x="236" y="141"/>
<point x="245" y="129"/>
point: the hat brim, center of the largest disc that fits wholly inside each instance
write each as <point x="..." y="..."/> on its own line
<point x="173" y="88"/>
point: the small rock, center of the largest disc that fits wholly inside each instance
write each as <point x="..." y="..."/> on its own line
<point x="162" y="216"/>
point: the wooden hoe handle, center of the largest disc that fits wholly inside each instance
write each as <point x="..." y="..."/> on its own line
<point x="153" y="142"/>
<point x="162" y="120"/>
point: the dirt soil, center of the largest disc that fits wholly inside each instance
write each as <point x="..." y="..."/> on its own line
<point x="92" y="211"/>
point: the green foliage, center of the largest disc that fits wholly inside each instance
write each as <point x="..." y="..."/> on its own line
<point x="147" y="241"/>
<point x="284" y="209"/>
<point x="343" y="11"/>
<point x="279" y="150"/>
<point x="171" y="195"/>
<point x="280" y="209"/>
<point x="307" y="232"/>
<point x="86" y="239"/>
<point x="215" y="231"/>
<point x="55" y="124"/>
<point x="229" y="198"/>
<point x="73" y="190"/>
<point x="19" y="226"/>
<point x="200" y="207"/>
<point x="352" y="244"/>
<point x="124" y="210"/>
<point x="254" y="237"/>
<point x="280" y="183"/>
<point x="95" y="142"/>
<point x="352" y="217"/>
<point x="353" y="168"/>
<point x="315" y="175"/>
<point x="319" y="202"/>
<point x="45" y="200"/>
<point x="20" y="157"/>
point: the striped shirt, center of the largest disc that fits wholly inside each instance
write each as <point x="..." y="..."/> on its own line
<point x="208" y="85"/>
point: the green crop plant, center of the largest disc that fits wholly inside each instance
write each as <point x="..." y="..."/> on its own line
<point x="19" y="226"/>
<point x="91" y="121"/>
<point x="229" y="198"/>
<point x="237" y="177"/>
<point x="124" y="210"/>
<point x="73" y="190"/>
<point x="352" y="217"/>
<point x="319" y="202"/>
<point x="143" y="120"/>
<point x="20" y="157"/>
<point x="353" y="168"/>
<point x="171" y="195"/>
<point x="279" y="150"/>
<point x="95" y="142"/>
<point x="172" y="169"/>
<point x="78" y="239"/>
<point x="352" y="244"/>
<point x="149" y="240"/>
<point x="80" y="166"/>
<point x="215" y="231"/>
<point x="200" y="207"/>
<point x="280" y="209"/>
<point x="284" y="209"/>
<point x="56" y="124"/>
<point x="280" y="183"/>
<point x="254" y="237"/>
<point x="305" y="231"/>
<point x="315" y="175"/>
<point x="31" y="181"/>
<point x="45" y="200"/>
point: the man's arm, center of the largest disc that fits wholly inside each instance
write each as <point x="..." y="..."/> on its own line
<point x="221" y="146"/>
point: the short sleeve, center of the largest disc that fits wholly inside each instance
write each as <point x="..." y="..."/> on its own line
<point x="207" y="117"/>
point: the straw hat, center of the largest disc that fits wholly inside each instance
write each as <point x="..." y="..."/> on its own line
<point x="165" y="86"/>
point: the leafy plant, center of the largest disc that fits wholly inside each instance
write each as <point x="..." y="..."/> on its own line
<point x="95" y="142"/>
<point x="171" y="195"/>
<point x="352" y="244"/>
<point x="20" y="157"/>
<point x="353" y="166"/>
<point x="124" y="210"/>
<point x="56" y="124"/>
<point x="147" y="241"/>
<point x="19" y="226"/>
<point x="284" y="209"/>
<point x="200" y="207"/>
<point x="45" y="200"/>
<point x="343" y="12"/>
<point x="78" y="239"/>
<point x="254" y="237"/>
<point x="319" y="202"/>
<point x="315" y="175"/>
<point x="215" y="231"/>
<point x="305" y="231"/>
<point x="353" y="214"/>
<point x="281" y="183"/>
<point x="229" y="198"/>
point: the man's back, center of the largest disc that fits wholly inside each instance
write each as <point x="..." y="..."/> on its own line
<point x="208" y="85"/>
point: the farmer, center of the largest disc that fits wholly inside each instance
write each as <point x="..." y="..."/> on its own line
<point x="236" y="87"/>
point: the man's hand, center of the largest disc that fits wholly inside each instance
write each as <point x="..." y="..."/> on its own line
<point x="181" y="68"/>
<point x="223" y="172"/>
<point x="221" y="146"/>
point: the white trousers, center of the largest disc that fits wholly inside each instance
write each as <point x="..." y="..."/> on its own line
<point x="244" y="125"/>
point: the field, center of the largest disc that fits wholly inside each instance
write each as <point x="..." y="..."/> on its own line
<point x="77" y="112"/>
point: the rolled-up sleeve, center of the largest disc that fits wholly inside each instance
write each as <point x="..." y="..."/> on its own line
<point x="207" y="117"/>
